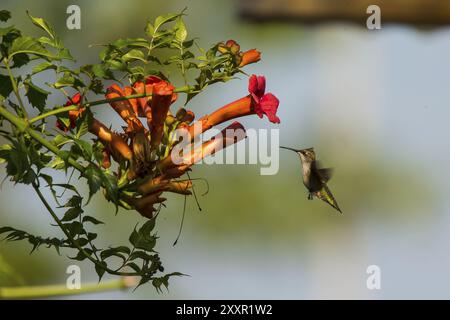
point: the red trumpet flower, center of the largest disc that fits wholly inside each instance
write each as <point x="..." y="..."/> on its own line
<point x="73" y="114"/>
<point x="265" y="103"/>
<point x="257" y="102"/>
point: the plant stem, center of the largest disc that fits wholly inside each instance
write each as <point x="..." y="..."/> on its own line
<point x="72" y="240"/>
<point x="27" y="292"/>
<point x="23" y="126"/>
<point x="95" y="103"/>
<point x="15" y="88"/>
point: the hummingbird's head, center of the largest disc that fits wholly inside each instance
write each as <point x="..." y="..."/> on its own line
<point x="307" y="154"/>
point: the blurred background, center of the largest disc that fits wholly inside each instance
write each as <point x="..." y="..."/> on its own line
<point x="373" y="104"/>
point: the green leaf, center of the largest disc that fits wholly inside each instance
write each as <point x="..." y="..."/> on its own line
<point x="61" y="140"/>
<point x="92" y="220"/>
<point x="134" y="54"/>
<point x="20" y="60"/>
<point x="140" y="255"/>
<point x="100" y="269"/>
<point x="72" y="213"/>
<point x="164" y="280"/>
<point x="41" y="23"/>
<point x="67" y="80"/>
<point x="75" y="228"/>
<point x="142" y="239"/>
<point x="94" y="179"/>
<point x="6" y="30"/>
<point x="5" y="86"/>
<point x="65" y="54"/>
<point x="81" y="256"/>
<point x="43" y="66"/>
<point x="36" y="95"/>
<point x="85" y="148"/>
<point x="5" y="15"/>
<point x="163" y="19"/>
<point x="111" y="252"/>
<point x="134" y="266"/>
<point x="28" y="45"/>
<point x="4" y="152"/>
<point x="74" y="201"/>
<point x="181" y="33"/>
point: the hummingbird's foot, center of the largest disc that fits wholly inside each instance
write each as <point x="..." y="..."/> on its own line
<point x="310" y="196"/>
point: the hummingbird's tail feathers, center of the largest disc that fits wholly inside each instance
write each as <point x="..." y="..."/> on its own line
<point x="325" y="195"/>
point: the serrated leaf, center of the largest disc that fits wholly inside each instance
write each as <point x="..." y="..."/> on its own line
<point x="72" y="213"/>
<point x="65" y="54"/>
<point x="181" y="33"/>
<point x="43" y="66"/>
<point x="44" y="25"/>
<point x="5" y="86"/>
<point x="61" y="140"/>
<point x="164" y="280"/>
<point x="143" y="239"/>
<point x="134" y="54"/>
<point x="36" y="95"/>
<point x="75" y="228"/>
<point x="67" y="80"/>
<point x="28" y="45"/>
<point x="100" y="269"/>
<point x="94" y="179"/>
<point x="163" y="19"/>
<point x="74" y="201"/>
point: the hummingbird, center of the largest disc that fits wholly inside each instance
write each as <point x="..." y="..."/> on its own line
<point x="314" y="178"/>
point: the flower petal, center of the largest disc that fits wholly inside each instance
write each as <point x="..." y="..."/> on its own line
<point x="268" y="105"/>
<point x="257" y="86"/>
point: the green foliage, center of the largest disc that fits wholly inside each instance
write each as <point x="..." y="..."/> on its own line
<point x="32" y="150"/>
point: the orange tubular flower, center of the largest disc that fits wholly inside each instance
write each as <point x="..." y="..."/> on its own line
<point x="124" y="108"/>
<point x="145" y="204"/>
<point x="217" y="143"/>
<point x="162" y="98"/>
<point x="250" y="56"/>
<point x="257" y="102"/>
<point x="143" y="105"/>
<point x="116" y="144"/>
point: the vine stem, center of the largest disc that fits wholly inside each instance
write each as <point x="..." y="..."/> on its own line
<point x="27" y="292"/>
<point x="96" y="103"/>
<point x="71" y="239"/>
<point x="23" y="126"/>
<point x="15" y="88"/>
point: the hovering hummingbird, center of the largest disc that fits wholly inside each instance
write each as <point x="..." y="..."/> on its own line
<point x="314" y="178"/>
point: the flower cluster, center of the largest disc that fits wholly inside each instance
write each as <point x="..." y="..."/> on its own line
<point x="144" y="152"/>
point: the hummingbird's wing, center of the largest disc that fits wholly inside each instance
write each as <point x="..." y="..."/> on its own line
<point x="324" y="174"/>
<point x="325" y="195"/>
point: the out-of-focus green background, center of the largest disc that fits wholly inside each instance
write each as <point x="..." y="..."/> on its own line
<point x="374" y="104"/>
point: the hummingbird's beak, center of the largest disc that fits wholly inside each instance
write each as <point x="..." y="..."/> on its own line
<point x="290" y="149"/>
